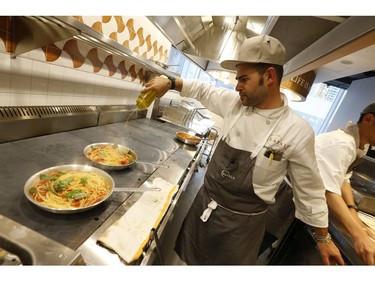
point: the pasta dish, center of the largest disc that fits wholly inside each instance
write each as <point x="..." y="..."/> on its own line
<point x="110" y="154"/>
<point x="70" y="189"/>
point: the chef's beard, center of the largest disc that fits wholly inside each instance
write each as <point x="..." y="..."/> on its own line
<point x="257" y="97"/>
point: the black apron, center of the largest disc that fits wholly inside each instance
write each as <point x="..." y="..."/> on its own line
<point x="234" y="228"/>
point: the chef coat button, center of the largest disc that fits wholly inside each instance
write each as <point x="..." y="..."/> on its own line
<point x="238" y="134"/>
<point x="268" y="122"/>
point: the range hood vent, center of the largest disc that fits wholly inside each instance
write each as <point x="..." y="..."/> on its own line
<point x="217" y="45"/>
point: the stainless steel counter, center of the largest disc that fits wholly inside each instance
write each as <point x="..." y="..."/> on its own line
<point x="152" y="140"/>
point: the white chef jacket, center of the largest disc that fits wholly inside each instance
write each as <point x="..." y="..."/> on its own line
<point x="335" y="151"/>
<point x="248" y="128"/>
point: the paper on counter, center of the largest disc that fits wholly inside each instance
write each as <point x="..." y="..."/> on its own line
<point x="128" y="236"/>
<point x="367" y="219"/>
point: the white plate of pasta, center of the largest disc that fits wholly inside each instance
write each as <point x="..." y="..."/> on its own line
<point x="69" y="188"/>
<point x="110" y="156"/>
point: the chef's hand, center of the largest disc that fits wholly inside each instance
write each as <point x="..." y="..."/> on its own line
<point x="370" y="232"/>
<point x="330" y="253"/>
<point x="159" y="84"/>
<point x="364" y="246"/>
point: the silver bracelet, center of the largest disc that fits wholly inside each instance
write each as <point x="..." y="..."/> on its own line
<point x="322" y="239"/>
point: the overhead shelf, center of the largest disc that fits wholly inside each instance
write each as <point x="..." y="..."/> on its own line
<point x="32" y="32"/>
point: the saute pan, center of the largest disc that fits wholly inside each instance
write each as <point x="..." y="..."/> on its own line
<point x="122" y="149"/>
<point x="188" y="138"/>
<point x="108" y="180"/>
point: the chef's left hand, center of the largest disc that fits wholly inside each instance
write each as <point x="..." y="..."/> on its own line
<point x="330" y="253"/>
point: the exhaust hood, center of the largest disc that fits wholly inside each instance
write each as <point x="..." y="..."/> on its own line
<point x="310" y="41"/>
<point x="213" y="38"/>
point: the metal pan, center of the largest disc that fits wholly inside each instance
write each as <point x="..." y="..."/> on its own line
<point x="108" y="180"/>
<point x="65" y="168"/>
<point x="188" y="138"/>
<point x="124" y="150"/>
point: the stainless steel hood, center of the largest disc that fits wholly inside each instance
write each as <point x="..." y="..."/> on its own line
<point x="213" y="38"/>
<point x="307" y="39"/>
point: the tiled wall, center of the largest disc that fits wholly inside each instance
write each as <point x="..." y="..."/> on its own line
<point x="71" y="72"/>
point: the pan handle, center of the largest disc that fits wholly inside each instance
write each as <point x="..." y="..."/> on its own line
<point x="155" y="164"/>
<point x="139" y="189"/>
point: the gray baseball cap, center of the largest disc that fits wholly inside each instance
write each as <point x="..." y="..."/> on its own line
<point x="258" y="49"/>
<point x="369" y="109"/>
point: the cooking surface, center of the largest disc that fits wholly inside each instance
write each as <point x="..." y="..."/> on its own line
<point x="152" y="140"/>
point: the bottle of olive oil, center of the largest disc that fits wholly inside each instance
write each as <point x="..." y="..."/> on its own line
<point x="145" y="99"/>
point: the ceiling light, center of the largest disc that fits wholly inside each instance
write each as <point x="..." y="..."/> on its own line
<point x="347" y="62"/>
<point x="298" y="87"/>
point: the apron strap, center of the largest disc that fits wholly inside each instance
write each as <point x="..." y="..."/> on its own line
<point x="206" y="213"/>
<point x="213" y="205"/>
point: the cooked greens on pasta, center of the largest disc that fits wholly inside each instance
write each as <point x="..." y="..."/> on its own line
<point x="69" y="189"/>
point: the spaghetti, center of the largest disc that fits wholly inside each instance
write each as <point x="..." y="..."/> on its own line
<point x="110" y="154"/>
<point x="70" y="189"/>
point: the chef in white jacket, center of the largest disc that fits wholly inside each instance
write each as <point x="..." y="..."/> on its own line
<point x="262" y="140"/>
<point x="338" y="152"/>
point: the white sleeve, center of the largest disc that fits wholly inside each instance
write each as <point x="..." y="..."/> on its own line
<point x="217" y="100"/>
<point x="308" y="187"/>
<point x="333" y="158"/>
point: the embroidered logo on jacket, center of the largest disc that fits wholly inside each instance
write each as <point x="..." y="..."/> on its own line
<point x="226" y="174"/>
<point x="275" y="148"/>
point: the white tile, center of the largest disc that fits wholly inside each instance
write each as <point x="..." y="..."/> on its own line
<point x="112" y="92"/>
<point x="56" y="72"/>
<point x="39" y="86"/>
<point x="21" y="66"/>
<point x="40" y="69"/>
<point x="4" y="82"/>
<point x="5" y="98"/>
<point x="79" y="89"/>
<point x="54" y="87"/>
<point x="5" y="63"/>
<point x="38" y="99"/>
<point x="68" y="100"/>
<point x="89" y="90"/>
<point x="54" y="100"/>
<point x="68" y="87"/>
<point x="20" y="84"/>
<point x="19" y="99"/>
<point x="105" y="91"/>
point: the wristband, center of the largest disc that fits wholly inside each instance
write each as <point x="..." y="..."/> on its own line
<point x="353" y="207"/>
<point x="322" y="239"/>
<point x="173" y="83"/>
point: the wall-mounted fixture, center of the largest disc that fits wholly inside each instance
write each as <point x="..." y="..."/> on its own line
<point x="298" y="87"/>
